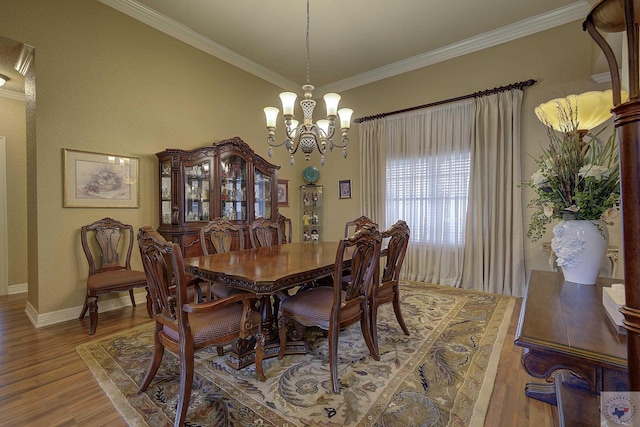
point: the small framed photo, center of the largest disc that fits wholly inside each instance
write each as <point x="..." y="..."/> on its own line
<point x="100" y="180"/>
<point x="344" y="188"/>
<point x="283" y="192"/>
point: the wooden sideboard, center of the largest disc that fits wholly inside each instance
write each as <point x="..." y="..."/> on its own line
<point x="569" y="341"/>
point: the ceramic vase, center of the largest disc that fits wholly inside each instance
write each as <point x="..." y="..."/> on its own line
<point x="580" y="247"/>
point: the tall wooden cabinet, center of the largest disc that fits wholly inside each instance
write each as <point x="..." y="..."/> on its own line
<point x="224" y="180"/>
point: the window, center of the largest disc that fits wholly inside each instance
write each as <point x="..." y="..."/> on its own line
<point x="431" y="194"/>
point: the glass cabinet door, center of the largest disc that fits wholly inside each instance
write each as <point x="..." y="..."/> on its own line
<point x="263" y="200"/>
<point x="165" y="191"/>
<point x="196" y="191"/>
<point x="233" y="188"/>
<point x="312" y="222"/>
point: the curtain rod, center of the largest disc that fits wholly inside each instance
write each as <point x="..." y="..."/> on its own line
<point x="518" y="85"/>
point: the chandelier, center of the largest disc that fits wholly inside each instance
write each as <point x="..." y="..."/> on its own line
<point x="308" y="135"/>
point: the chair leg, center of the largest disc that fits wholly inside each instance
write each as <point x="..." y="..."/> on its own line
<point x="282" y="326"/>
<point x="156" y="358"/>
<point x="149" y="303"/>
<point x="85" y="307"/>
<point x="259" y="352"/>
<point x="373" y="326"/>
<point x="333" y="357"/>
<point x="186" y="384"/>
<point x="396" y="309"/>
<point x="369" y="331"/>
<point x="133" y="299"/>
<point x="92" y="302"/>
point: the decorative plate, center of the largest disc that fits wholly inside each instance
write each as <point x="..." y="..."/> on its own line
<point x="310" y="174"/>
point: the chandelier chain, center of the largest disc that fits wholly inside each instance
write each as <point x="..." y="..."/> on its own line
<point x="307" y="46"/>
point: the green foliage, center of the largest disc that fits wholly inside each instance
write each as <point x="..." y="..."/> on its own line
<point x="576" y="179"/>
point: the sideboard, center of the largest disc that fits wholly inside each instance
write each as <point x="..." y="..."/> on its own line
<point x="569" y="342"/>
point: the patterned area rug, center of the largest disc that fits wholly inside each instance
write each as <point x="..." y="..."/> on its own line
<point x="440" y="375"/>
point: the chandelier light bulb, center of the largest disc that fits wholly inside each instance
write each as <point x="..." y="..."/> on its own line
<point x="332" y="100"/>
<point x="345" y="117"/>
<point x="288" y="102"/>
<point x="271" y="114"/>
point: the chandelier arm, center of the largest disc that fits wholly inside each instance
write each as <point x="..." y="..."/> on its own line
<point x="272" y="142"/>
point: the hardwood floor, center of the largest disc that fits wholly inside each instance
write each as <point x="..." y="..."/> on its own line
<point x="43" y="381"/>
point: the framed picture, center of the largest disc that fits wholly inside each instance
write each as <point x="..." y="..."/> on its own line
<point x="99" y="180"/>
<point x="283" y="192"/>
<point x="344" y="188"/>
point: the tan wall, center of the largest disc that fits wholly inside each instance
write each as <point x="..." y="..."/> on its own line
<point x="559" y="59"/>
<point x="108" y="83"/>
<point x="12" y="126"/>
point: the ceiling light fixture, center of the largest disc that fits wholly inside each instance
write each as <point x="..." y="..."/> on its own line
<point x="3" y="79"/>
<point x="309" y="135"/>
<point x="586" y="111"/>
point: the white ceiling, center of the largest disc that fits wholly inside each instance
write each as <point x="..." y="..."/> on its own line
<point x="352" y="42"/>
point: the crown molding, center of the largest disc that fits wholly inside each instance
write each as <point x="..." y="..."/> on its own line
<point x="18" y="96"/>
<point x="564" y="15"/>
<point x="572" y="12"/>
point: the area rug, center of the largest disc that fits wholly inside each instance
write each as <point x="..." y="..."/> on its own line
<point x="440" y="375"/>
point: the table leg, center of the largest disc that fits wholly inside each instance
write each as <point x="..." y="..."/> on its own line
<point x="243" y="354"/>
<point x="544" y="392"/>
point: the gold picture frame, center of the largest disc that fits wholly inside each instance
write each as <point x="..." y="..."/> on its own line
<point x="100" y="180"/>
<point x="283" y="192"/>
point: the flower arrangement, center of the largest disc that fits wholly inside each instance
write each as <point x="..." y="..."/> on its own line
<point x="576" y="179"/>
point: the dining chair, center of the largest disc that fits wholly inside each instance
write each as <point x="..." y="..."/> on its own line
<point x="264" y="232"/>
<point x="389" y="288"/>
<point x="108" y="245"/>
<point x="334" y="308"/>
<point x="184" y="328"/>
<point x="354" y="225"/>
<point x="220" y="236"/>
<point x="285" y="228"/>
<point x="350" y="228"/>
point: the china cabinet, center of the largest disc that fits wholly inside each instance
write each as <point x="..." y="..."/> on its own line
<point x="226" y="180"/>
<point x="311" y="208"/>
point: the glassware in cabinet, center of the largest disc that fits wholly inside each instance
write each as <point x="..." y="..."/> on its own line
<point x="165" y="192"/>
<point x="196" y="191"/>
<point x="233" y="188"/>
<point x="312" y="221"/>
<point x="263" y="195"/>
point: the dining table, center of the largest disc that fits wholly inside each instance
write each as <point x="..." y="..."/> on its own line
<point x="266" y="272"/>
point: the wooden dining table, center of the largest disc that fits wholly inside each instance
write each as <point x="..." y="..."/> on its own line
<point x="265" y="272"/>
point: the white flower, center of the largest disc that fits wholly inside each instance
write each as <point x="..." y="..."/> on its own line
<point x="572" y="208"/>
<point x="547" y="208"/>
<point x="595" y="171"/>
<point x="538" y="179"/>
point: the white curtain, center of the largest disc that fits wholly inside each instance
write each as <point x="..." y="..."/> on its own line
<point x="452" y="173"/>
<point x="373" y="169"/>
<point x="494" y="248"/>
<point x="426" y="183"/>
